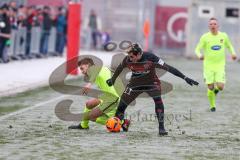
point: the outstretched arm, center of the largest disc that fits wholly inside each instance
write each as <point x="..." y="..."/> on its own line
<point x="177" y="73"/>
<point x="159" y="63"/>
<point x="119" y="69"/>
<point x="117" y="72"/>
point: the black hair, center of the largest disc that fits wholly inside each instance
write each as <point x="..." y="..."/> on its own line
<point x="135" y="49"/>
<point x="5" y="6"/>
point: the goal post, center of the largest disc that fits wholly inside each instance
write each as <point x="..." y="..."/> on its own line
<point x="73" y="36"/>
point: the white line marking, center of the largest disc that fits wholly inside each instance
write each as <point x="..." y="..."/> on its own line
<point x="31" y="108"/>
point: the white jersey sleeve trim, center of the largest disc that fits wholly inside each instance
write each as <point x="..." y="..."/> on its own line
<point x="161" y="62"/>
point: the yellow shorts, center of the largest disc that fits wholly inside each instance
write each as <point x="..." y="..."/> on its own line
<point x="109" y="104"/>
<point x="211" y="77"/>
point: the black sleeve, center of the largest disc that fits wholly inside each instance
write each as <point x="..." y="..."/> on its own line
<point x="119" y="69"/>
<point x="155" y="59"/>
<point x="152" y="57"/>
<point x="171" y="69"/>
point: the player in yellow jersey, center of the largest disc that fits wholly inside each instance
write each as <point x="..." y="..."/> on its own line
<point x="102" y="108"/>
<point x="213" y="44"/>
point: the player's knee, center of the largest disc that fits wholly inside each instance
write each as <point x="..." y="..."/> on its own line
<point x="89" y="105"/>
<point x="158" y="101"/>
<point x="211" y="88"/>
<point x="221" y="87"/>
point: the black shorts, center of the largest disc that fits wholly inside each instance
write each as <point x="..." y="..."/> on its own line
<point x="132" y="91"/>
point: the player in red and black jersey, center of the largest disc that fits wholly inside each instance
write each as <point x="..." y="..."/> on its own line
<point x="144" y="79"/>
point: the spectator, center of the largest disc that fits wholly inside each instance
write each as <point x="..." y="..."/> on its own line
<point x="29" y="23"/>
<point x="21" y="16"/>
<point x="46" y="28"/>
<point x="39" y="17"/>
<point x="16" y="24"/>
<point x="5" y="33"/>
<point x="61" y="24"/>
<point x="13" y="14"/>
<point x="94" y="24"/>
<point x="13" y="5"/>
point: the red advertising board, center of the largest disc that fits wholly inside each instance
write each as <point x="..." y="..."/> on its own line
<point x="170" y="30"/>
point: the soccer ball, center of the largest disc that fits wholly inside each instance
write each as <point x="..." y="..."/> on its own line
<point x="113" y="124"/>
